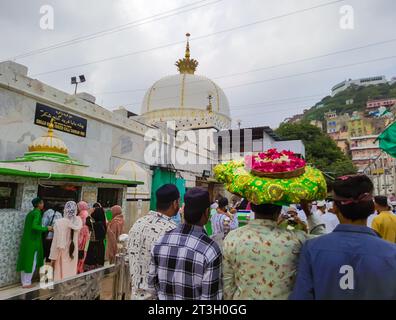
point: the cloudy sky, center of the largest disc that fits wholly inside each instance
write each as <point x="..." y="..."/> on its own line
<point x="272" y="58"/>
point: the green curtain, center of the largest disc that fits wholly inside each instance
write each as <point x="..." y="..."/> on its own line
<point x="387" y="140"/>
<point x="161" y="177"/>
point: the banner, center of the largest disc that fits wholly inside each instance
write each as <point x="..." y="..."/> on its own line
<point x="63" y="121"/>
<point x="387" y="140"/>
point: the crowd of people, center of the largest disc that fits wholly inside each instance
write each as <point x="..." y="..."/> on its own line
<point x="320" y="250"/>
<point x="340" y="248"/>
<point x="71" y="239"/>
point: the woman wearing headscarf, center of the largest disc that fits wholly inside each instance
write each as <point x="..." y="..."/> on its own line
<point x="83" y="237"/>
<point x="114" y="230"/>
<point x="96" y="250"/>
<point x="64" y="247"/>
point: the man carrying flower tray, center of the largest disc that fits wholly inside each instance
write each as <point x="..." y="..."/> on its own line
<point x="260" y="259"/>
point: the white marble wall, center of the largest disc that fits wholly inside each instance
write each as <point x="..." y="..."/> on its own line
<point x="11" y="226"/>
<point x="17" y="131"/>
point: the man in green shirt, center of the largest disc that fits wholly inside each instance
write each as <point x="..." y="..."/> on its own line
<point x="31" y="254"/>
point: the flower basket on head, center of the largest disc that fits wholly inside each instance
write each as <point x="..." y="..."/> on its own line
<point x="272" y="177"/>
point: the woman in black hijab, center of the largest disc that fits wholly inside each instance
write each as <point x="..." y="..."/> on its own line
<point x="96" y="249"/>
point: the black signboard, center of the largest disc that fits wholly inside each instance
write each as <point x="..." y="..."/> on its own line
<point x="63" y="121"/>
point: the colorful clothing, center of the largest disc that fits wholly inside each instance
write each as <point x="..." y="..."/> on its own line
<point x="260" y="260"/>
<point x="83" y="236"/>
<point x="186" y="265"/>
<point x="142" y="236"/>
<point x="222" y="224"/>
<point x="65" y="266"/>
<point x="352" y="262"/>
<point x="385" y="225"/>
<point x="114" y="230"/>
<point x="31" y="242"/>
<point x="49" y="218"/>
<point x="177" y="218"/>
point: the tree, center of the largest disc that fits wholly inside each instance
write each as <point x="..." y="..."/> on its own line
<point x="321" y="151"/>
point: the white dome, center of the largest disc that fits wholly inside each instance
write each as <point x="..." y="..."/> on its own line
<point x="185" y="91"/>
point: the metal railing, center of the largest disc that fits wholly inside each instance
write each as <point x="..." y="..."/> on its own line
<point x="107" y="283"/>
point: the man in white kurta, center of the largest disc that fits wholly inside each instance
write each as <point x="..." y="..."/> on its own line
<point x="329" y="218"/>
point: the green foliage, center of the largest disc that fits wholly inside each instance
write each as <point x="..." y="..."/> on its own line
<point x="360" y="95"/>
<point x="321" y="150"/>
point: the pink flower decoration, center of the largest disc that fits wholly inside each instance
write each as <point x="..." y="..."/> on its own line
<point x="269" y="161"/>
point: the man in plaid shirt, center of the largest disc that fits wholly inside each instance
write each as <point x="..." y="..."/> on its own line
<point x="185" y="262"/>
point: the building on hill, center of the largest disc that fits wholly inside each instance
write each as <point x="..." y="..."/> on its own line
<point x="341" y="138"/>
<point x="339" y="87"/>
<point x="369" y="159"/>
<point x="364" y="149"/>
<point x="336" y="128"/>
<point x="336" y="123"/>
<point x="359" y="125"/>
<point x="377" y="103"/>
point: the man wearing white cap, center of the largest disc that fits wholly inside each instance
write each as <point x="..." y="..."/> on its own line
<point x="329" y="218"/>
<point x="320" y="207"/>
<point x="325" y="213"/>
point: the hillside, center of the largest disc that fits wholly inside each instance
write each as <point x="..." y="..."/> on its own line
<point x="360" y="95"/>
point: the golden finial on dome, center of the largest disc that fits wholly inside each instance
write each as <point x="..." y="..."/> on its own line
<point x="51" y="128"/>
<point x="187" y="65"/>
<point x="49" y="143"/>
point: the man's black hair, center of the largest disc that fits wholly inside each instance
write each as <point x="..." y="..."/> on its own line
<point x="266" y="210"/>
<point x="351" y="187"/>
<point x="381" y="200"/>
<point x="197" y="201"/>
<point x="223" y="202"/>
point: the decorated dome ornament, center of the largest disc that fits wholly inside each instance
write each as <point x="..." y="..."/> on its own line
<point x="48" y="148"/>
<point x="187" y="65"/>
<point x="270" y="180"/>
<point x="49" y="143"/>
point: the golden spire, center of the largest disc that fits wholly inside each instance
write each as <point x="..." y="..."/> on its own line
<point x="187" y="65"/>
<point x="51" y="128"/>
<point x="187" y="54"/>
<point x="49" y="143"/>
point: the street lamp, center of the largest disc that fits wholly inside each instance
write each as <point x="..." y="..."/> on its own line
<point x="75" y="82"/>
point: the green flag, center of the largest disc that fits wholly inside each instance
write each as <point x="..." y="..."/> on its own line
<point x="387" y="140"/>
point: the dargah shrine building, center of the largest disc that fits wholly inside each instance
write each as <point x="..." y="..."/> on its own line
<point x="62" y="147"/>
<point x="66" y="147"/>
